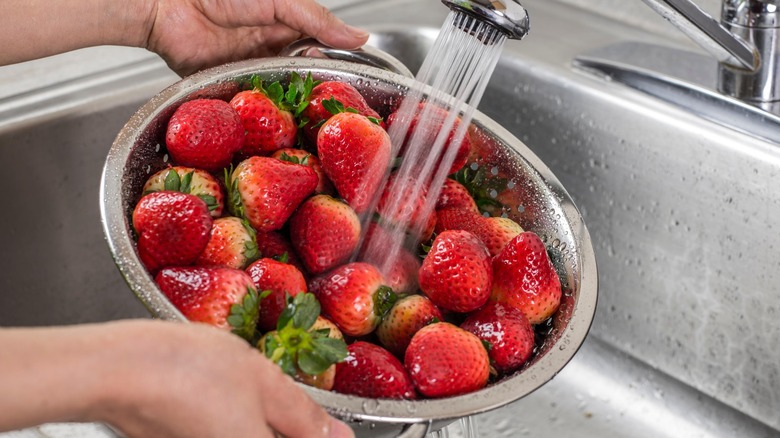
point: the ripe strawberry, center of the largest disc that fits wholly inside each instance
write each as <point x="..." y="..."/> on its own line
<point x="232" y="244"/>
<point x="266" y="191"/>
<point x="189" y="180"/>
<point x="204" y="133"/>
<point x="445" y="360"/>
<point x="524" y="278"/>
<point x="454" y="195"/>
<point x="407" y="316"/>
<point x="273" y="245"/>
<point x="402" y="271"/>
<point x="371" y="371"/>
<point x="299" y="156"/>
<point x="494" y="232"/>
<point x="355" y="154"/>
<point x="316" y="113"/>
<point x="325" y="232"/>
<point x="403" y="203"/>
<point x="299" y="347"/>
<point x="267" y="114"/>
<point x="508" y="332"/>
<point x="424" y="135"/>
<point x="354" y="297"/>
<point x="222" y="297"/>
<point x="456" y="274"/>
<point x="275" y="279"/>
<point x="173" y="228"/>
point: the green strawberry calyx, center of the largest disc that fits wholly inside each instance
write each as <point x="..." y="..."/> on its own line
<point x="295" y="346"/>
<point x="295" y="160"/>
<point x="234" y="203"/>
<point x="293" y="99"/>
<point x="384" y="298"/>
<point x="243" y="315"/>
<point x="334" y="107"/>
<point x="173" y="182"/>
<point x="481" y="187"/>
<point x="251" y="250"/>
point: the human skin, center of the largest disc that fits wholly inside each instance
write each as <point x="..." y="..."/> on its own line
<point x="152" y="378"/>
<point x="188" y="34"/>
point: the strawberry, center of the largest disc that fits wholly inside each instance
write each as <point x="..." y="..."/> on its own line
<point x="494" y="232"/>
<point x="222" y="297"/>
<point x="354" y="297"/>
<point x="456" y="274"/>
<point x="317" y="113"/>
<point x="407" y="316"/>
<point x="424" y="135"/>
<point x="272" y="244"/>
<point x="268" y="115"/>
<point x="525" y="278"/>
<point x="507" y="331"/>
<point x="355" y="154"/>
<point x="325" y="232"/>
<point x="487" y="186"/>
<point x="402" y="273"/>
<point x="232" y="244"/>
<point x="204" y="133"/>
<point x="445" y="360"/>
<point x="302" y="350"/>
<point x="403" y="203"/>
<point x="299" y="156"/>
<point x="454" y="195"/>
<point x="371" y="371"/>
<point x="276" y="279"/>
<point x="173" y="228"/>
<point x="189" y="180"/>
<point x="266" y="191"/>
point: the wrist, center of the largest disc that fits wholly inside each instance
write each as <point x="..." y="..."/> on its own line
<point x="125" y="23"/>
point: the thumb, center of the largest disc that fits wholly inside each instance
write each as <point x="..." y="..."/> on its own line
<point x="312" y="19"/>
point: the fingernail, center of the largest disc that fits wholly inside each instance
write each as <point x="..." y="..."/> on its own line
<point x="340" y="430"/>
<point x="356" y="32"/>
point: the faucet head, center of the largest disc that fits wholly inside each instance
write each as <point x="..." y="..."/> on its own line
<point x="508" y="16"/>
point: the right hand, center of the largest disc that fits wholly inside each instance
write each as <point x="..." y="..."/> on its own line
<point x="173" y="380"/>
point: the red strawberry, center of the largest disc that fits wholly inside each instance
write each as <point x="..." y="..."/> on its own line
<point x="354" y="297"/>
<point x="325" y="232"/>
<point x="524" y="278"/>
<point x="266" y="117"/>
<point x="403" y="203"/>
<point x="279" y="279"/>
<point x="173" y="229"/>
<point x="456" y="274"/>
<point x="407" y="316"/>
<point x="455" y="195"/>
<point x="434" y="118"/>
<point x="445" y="360"/>
<point x="272" y="245"/>
<point x="232" y="244"/>
<point x="204" y="133"/>
<point x="189" y="180"/>
<point x="371" y="371"/>
<point x="317" y="113"/>
<point x="355" y="154"/>
<point x="494" y="232"/>
<point x="508" y="332"/>
<point x="222" y="297"/>
<point x="299" y="156"/>
<point x="300" y="347"/>
<point x="402" y="273"/>
<point x="266" y="191"/>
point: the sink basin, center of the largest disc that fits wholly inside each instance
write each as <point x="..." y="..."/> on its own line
<point x="682" y="212"/>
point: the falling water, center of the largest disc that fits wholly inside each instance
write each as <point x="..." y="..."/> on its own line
<point x="457" y="69"/>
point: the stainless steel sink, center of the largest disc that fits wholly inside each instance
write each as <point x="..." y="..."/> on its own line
<point x="683" y="213"/>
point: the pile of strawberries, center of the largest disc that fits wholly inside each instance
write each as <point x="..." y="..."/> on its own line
<point x="256" y="227"/>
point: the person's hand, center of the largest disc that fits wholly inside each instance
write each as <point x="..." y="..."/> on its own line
<point x="192" y="34"/>
<point x="189" y="380"/>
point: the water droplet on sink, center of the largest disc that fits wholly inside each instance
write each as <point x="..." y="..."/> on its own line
<point x="370" y="406"/>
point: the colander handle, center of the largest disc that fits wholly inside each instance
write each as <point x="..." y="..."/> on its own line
<point x="365" y="55"/>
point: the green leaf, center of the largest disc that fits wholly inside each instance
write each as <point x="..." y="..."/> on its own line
<point x="172" y="181"/>
<point x="251" y="251"/>
<point x="374" y="120"/>
<point x="331" y="349"/>
<point x="186" y="184"/>
<point x="285" y="318"/>
<point x="307" y="309"/>
<point x="384" y="298"/>
<point x="211" y="201"/>
<point x="275" y="92"/>
<point x="480" y="185"/>
<point x="290" y="159"/>
<point x="283" y="257"/>
<point x="243" y="316"/>
<point x="312" y="363"/>
<point x="333" y="106"/>
<point x="234" y="203"/>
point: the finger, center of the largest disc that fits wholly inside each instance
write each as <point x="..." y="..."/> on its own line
<point x="291" y="404"/>
<point x="315" y="20"/>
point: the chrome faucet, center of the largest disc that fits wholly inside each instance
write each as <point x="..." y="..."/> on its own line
<point x="746" y="43"/>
